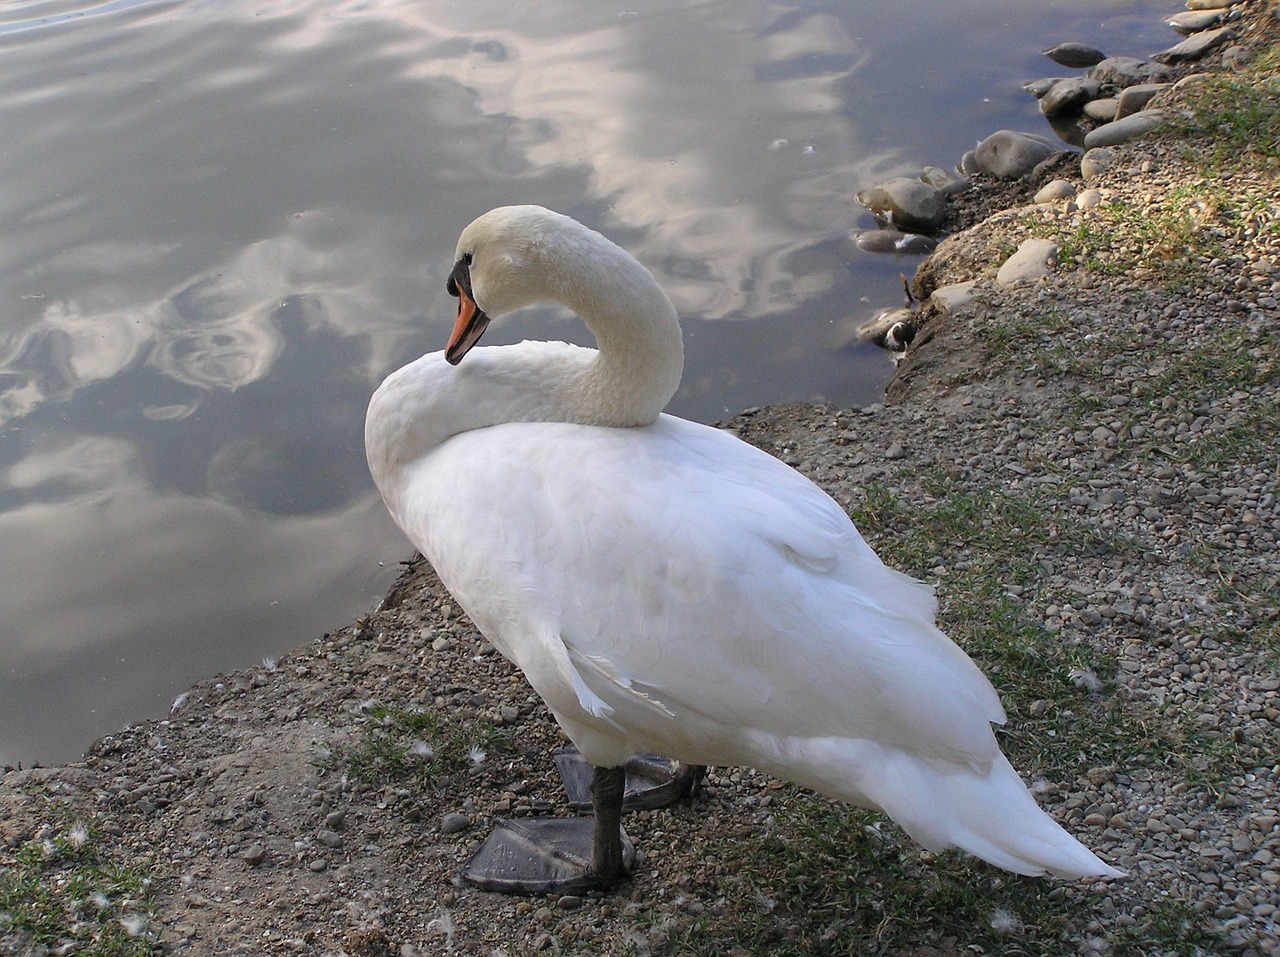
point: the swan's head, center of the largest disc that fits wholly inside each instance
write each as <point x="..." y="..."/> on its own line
<point x="510" y="257"/>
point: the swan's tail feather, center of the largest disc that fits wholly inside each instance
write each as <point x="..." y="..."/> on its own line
<point x="990" y="814"/>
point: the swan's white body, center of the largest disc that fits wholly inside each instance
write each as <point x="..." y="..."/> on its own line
<point x="666" y="587"/>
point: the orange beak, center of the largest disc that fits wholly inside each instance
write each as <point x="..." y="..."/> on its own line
<point x="467" y="329"/>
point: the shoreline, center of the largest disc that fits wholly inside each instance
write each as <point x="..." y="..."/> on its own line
<point x="1080" y="461"/>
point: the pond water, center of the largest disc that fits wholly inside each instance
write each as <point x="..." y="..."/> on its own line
<point x="224" y="221"/>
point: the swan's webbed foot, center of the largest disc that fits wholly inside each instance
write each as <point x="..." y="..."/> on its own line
<point x="559" y="855"/>
<point x="652" y="781"/>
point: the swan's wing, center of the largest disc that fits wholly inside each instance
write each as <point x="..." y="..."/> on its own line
<point x="675" y="570"/>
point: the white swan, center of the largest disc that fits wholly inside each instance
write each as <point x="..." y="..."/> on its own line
<point x="666" y="587"/>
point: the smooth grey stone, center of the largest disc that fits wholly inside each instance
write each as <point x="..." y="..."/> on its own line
<point x="1125" y="71"/>
<point x="1088" y="199"/>
<point x="939" y="178"/>
<point x="1054" y="191"/>
<point x="968" y="164"/>
<point x="454" y="823"/>
<point x="1095" y="162"/>
<point x="954" y="297"/>
<point x="1203" y="4"/>
<point x="1033" y="260"/>
<point x="1103" y="110"/>
<point x="880" y="328"/>
<point x="1193" y="21"/>
<point x="1121" y="131"/>
<point x="1135" y="98"/>
<point x="1008" y="154"/>
<point x="1196" y="46"/>
<point x="907" y="203"/>
<point x="1039" y="88"/>
<point x="1074" y="55"/>
<point x="894" y="241"/>
<point x="1069" y="95"/>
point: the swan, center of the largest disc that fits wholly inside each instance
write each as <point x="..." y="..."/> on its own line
<point x="666" y="587"/>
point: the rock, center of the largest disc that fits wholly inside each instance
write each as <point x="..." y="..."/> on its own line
<point x="1196" y="46"/>
<point x="1070" y="95"/>
<point x="907" y="203"/>
<point x="1095" y="162"/>
<point x="895" y="452"/>
<point x="893" y="241"/>
<point x="968" y="164"/>
<point x="939" y="178"/>
<point x="880" y="329"/>
<point x="1204" y="4"/>
<point x="1008" y="154"/>
<point x="1033" y="260"/>
<point x="1039" y="88"/>
<point x="1123" y="71"/>
<point x="454" y="823"/>
<point x="1121" y="131"/>
<point x="1054" y="191"/>
<point x="953" y="297"/>
<point x="1193" y="21"/>
<point x="254" y="855"/>
<point x="1136" y="98"/>
<point x="1088" y="199"/>
<point x="1074" y="55"/>
<point x="1102" y="110"/>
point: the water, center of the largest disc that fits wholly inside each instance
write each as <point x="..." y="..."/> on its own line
<point x="224" y="222"/>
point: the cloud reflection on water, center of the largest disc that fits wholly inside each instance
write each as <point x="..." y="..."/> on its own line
<point x="232" y="226"/>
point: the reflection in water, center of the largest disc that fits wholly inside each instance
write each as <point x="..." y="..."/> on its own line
<point x="226" y="222"/>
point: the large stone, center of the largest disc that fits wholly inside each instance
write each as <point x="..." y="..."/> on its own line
<point x="1196" y="46"/>
<point x="1122" y="131"/>
<point x="1033" y="260"/>
<point x="894" y="241"/>
<point x="1074" y="55"/>
<point x="954" y="297"/>
<point x="1070" y="95"/>
<point x="1135" y="98"/>
<point x="1103" y="110"/>
<point x="1125" y="71"/>
<point x="939" y="178"/>
<point x="1193" y="21"/>
<point x="906" y="203"/>
<point x="1008" y="154"/>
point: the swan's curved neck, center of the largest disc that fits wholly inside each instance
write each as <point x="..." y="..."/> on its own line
<point x="626" y="381"/>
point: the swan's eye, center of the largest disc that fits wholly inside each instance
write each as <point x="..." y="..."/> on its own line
<point x="461" y="274"/>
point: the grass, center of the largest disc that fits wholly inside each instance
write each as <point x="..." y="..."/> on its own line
<point x="989" y="539"/>
<point x="827" y="880"/>
<point x="407" y="745"/>
<point x="1237" y="116"/>
<point x="63" y="892"/>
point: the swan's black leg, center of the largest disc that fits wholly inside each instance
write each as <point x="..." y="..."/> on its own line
<point x="608" y="786"/>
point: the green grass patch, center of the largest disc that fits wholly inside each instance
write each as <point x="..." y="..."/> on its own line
<point x="410" y="745"/>
<point x="64" y="893"/>
<point x="978" y="545"/>
<point x="828" y="880"/>
<point x="1238" y="117"/>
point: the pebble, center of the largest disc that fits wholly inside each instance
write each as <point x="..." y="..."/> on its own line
<point x="1055" y="191"/>
<point x="1096" y="162"/>
<point x="1196" y="46"/>
<point x="454" y="823"/>
<point x="254" y="855"/>
<point x="1137" y="97"/>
